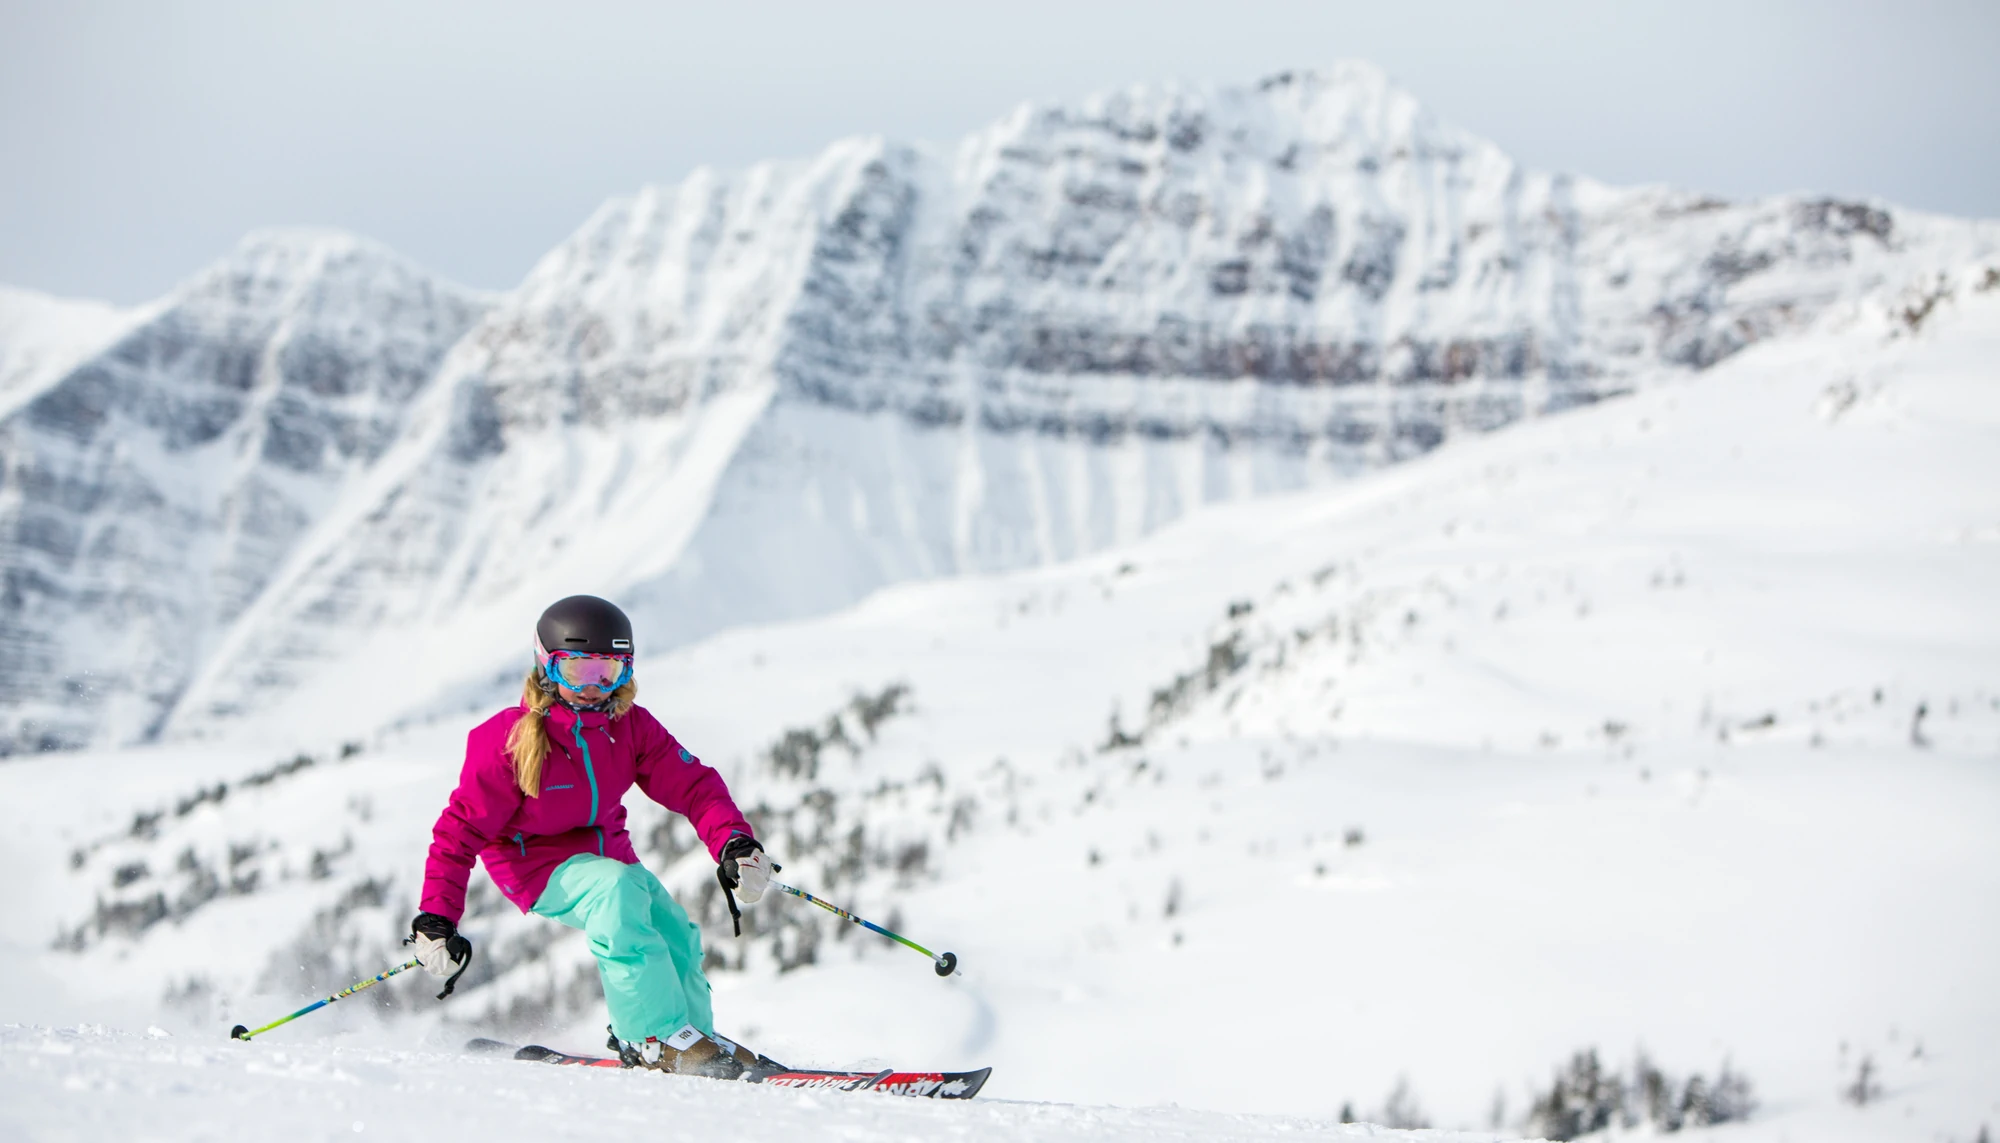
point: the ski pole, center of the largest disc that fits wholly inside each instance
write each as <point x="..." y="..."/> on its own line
<point x="241" y="1033"/>
<point x="947" y="963"/>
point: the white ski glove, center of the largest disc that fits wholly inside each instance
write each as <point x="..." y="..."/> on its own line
<point x="753" y="876"/>
<point x="438" y="944"/>
<point x="746" y="870"/>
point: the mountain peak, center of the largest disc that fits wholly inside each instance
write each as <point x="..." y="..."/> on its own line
<point x="1350" y="110"/>
<point x="273" y="263"/>
<point x="1353" y="76"/>
<point x="310" y="241"/>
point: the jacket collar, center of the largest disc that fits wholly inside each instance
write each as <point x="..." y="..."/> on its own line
<point x="562" y="717"/>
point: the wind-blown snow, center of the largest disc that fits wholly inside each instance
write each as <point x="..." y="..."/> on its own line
<point x="1670" y="723"/>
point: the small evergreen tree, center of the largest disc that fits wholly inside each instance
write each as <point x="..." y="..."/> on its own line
<point x="1401" y="1111"/>
<point x="1655" y="1094"/>
<point x="1695" y="1108"/>
<point x="1864" y="1089"/>
<point x="1583" y="1099"/>
<point x="1586" y="1097"/>
<point x="1731" y="1100"/>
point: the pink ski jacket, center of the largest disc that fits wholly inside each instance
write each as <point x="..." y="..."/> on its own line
<point x="594" y="760"/>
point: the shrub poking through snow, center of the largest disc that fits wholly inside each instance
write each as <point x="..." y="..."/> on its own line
<point x="1863" y="1089"/>
<point x="1587" y="1097"/>
<point x="1402" y="1111"/>
<point x="1583" y="1099"/>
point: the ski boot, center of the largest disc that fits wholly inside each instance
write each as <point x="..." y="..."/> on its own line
<point x="689" y="1053"/>
<point x="758" y="1065"/>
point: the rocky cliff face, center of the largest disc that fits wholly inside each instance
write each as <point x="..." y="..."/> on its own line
<point x="762" y="395"/>
<point x="1317" y="233"/>
<point x="150" y="493"/>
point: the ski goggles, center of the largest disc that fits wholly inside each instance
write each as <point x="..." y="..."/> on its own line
<point x="576" y="670"/>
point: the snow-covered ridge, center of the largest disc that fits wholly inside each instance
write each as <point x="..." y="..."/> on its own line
<point x="760" y="395"/>
<point x="42" y="338"/>
<point x="150" y="492"/>
<point x="1316" y="231"/>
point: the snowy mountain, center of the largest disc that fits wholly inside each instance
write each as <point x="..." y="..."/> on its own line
<point x="760" y="396"/>
<point x="42" y="338"/>
<point x="1666" y="727"/>
<point x="149" y="493"/>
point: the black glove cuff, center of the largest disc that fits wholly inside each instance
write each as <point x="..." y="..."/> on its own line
<point x="741" y="845"/>
<point x="433" y="926"/>
<point x="457" y="949"/>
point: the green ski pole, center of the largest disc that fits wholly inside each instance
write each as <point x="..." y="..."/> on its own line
<point x="241" y="1033"/>
<point x="946" y="963"/>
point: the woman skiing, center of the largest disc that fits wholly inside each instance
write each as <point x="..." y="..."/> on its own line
<point x="540" y="801"/>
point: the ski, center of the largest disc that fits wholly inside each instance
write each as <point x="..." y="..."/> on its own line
<point x="537" y="1053"/>
<point x="920" y="1085"/>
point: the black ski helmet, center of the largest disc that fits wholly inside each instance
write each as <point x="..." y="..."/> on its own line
<point x="584" y="623"/>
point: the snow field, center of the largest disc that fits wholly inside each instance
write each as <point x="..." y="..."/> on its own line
<point x="184" y="1092"/>
<point x="1622" y="706"/>
<point x="1640" y="772"/>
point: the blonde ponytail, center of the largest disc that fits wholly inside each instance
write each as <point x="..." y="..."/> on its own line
<point x="528" y="741"/>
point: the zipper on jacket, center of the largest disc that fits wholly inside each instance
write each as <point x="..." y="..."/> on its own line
<point x="606" y="728"/>
<point x="589" y="771"/>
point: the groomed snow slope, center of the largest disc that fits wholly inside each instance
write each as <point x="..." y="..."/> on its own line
<point x="1670" y="723"/>
<point x="120" y="1085"/>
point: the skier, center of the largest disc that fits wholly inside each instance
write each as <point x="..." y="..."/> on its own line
<point x="540" y="801"/>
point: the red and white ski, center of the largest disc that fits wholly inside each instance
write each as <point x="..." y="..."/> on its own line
<point x="921" y="1085"/>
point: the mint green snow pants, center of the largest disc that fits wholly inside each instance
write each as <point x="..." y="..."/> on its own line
<point x="648" y="952"/>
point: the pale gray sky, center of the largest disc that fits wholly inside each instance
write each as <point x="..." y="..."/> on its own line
<point x="140" y="139"/>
